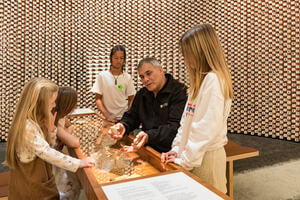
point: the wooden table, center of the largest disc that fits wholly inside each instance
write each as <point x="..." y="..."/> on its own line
<point x="154" y="167"/>
<point x="93" y="188"/>
<point x="236" y="152"/>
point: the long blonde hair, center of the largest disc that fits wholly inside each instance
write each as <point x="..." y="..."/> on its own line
<point x="203" y="53"/>
<point x="34" y="104"/>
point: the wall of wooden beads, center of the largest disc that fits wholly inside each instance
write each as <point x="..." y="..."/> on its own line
<point x="69" y="42"/>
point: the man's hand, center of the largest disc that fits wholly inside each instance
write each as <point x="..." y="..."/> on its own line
<point x="116" y="131"/>
<point x="140" y="140"/>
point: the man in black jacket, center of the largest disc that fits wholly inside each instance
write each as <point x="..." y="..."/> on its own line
<point x="157" y="107"/>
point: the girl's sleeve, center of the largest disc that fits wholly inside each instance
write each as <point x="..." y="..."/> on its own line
<point x="42" y="149"/>
<point x="204" y="129"/>
<point x="178" y="137"/>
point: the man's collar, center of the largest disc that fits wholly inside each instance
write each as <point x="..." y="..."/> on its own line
<point x="168" y="86"/>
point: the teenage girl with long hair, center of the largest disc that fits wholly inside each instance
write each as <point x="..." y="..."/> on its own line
<point x="199" y="143"/>
<point x="114" y="89"/>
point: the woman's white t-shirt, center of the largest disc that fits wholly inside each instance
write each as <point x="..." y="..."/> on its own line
<point x="115" y="91"/>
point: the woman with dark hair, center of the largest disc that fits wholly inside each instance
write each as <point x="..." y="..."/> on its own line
<point x="114" y="89"/>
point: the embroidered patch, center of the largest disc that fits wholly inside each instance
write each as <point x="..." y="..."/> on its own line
<point x="164" y="105"/>
<point x="190" y="109"/>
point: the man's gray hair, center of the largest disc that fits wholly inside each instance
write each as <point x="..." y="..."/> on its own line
<point x="152" y="61"/>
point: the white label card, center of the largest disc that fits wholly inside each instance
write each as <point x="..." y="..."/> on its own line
<point x="175" y="186"/>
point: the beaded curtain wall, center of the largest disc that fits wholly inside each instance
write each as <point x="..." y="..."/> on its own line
<point x="69" y="42"/>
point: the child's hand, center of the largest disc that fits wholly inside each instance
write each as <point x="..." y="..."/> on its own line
<point x="67" y="122"/>
<point x="52" y="120"/>
<point x="87" y="162"/>
<point x="70" y="129"/>
<point x="111" y="118"/>
<point x="168" y="157"/>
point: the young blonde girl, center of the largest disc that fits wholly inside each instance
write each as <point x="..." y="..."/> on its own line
<point x="199" y="143"/>
<point x="29" y="155"/>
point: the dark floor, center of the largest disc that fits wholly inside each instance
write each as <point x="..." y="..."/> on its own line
<point x="271" y="151"/>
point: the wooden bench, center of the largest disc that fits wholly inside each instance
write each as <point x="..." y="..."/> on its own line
<point x="4" y="180"/>
<point x="236" y="152"/>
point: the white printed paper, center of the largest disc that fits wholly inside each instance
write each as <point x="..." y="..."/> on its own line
<point x="175" y="186"/>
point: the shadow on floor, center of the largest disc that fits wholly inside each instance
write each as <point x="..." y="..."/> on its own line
<point x="271" y="151"/>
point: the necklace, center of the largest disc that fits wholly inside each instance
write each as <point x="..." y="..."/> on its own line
<point x="116" y="79"/>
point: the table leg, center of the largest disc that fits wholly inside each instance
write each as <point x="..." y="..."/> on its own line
<point x="229" y="174"/>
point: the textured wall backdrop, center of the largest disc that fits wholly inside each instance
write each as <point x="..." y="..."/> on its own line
<point x="69" y="42"/>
